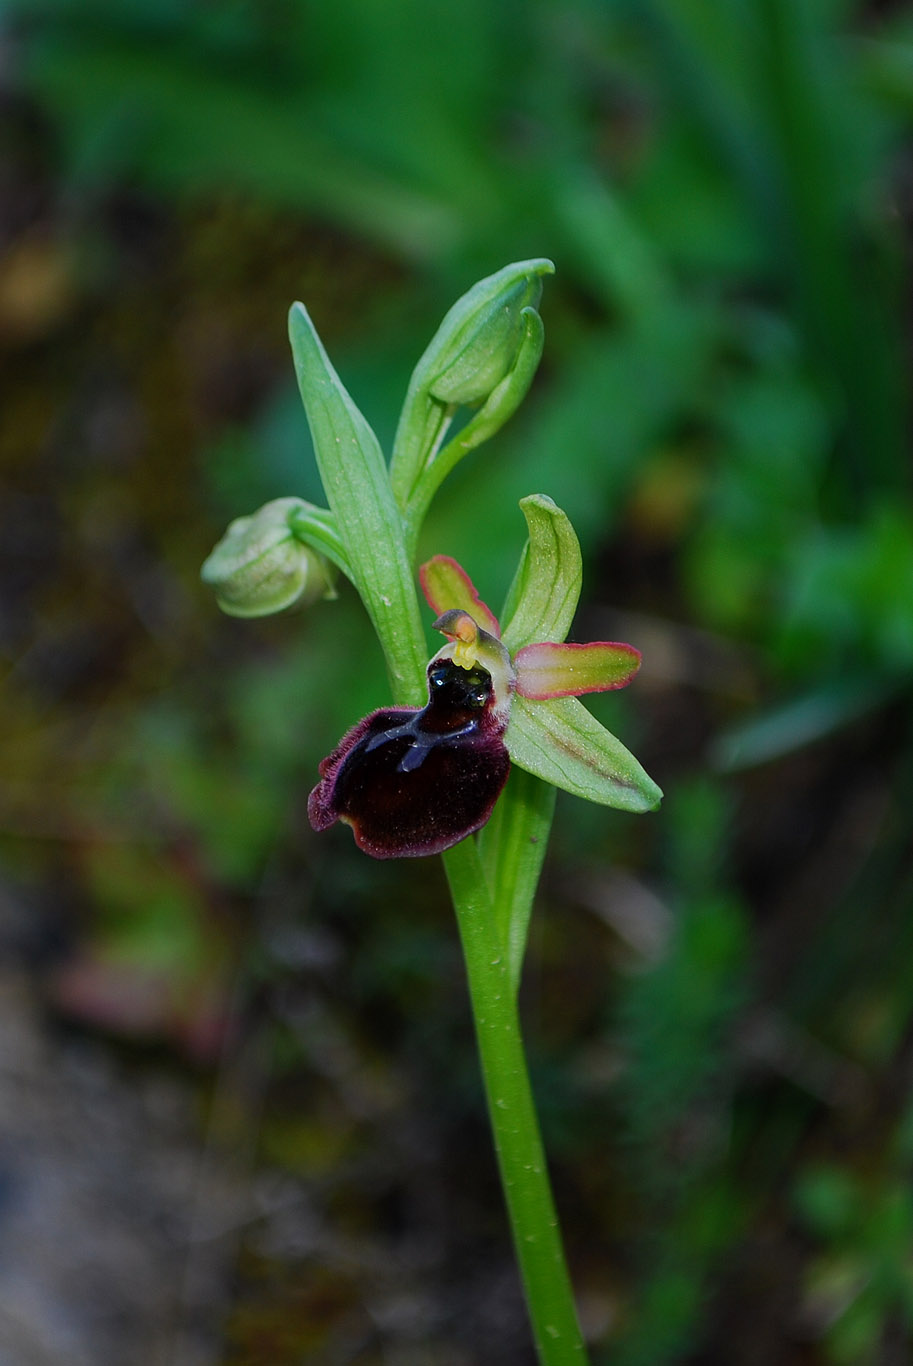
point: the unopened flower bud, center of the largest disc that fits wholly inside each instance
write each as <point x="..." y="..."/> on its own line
<point x="260" y="567"/>
<point x="477" y="343"/>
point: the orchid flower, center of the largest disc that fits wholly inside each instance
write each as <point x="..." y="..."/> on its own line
<point x="412" y="781"/>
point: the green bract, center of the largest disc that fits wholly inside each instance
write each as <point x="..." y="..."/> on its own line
<point x="357" y="486"/>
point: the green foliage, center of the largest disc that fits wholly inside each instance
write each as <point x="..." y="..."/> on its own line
<point x="860" y="1277"/>
<point x="675" y="1024"/>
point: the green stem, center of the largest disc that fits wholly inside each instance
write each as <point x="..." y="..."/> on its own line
<point x="492" y="968"/>
<point x="513" y="858"/>
<point x="521" y="1158"/>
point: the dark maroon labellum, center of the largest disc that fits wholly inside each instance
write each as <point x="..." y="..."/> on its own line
<point x="413" y="782"/>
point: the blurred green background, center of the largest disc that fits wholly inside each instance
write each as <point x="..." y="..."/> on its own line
<point x="243" y="1123"/>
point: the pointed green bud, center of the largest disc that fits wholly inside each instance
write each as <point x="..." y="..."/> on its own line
<point x="260" y="566"/>
<point x="500" y="405"/>
<point x="477" y="343"/>
<point x="488" y="334"/>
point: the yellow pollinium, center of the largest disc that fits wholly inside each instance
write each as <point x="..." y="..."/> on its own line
<point x="465" y="634"/>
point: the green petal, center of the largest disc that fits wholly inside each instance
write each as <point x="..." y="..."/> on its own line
<point x="545" y="670"/>
<point x="543" y="596"/>
<point x="562" y="743"/>
<point x="358" y="490"/>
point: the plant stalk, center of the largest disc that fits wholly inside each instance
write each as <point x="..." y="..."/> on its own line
<point x="493" y="984"/>
<point x="521" y="1157"/>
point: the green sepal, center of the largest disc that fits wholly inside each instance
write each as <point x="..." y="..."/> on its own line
<point x="542" y="599"/>
<point x="370" y="528"/>
<point x="473" y="350"/>
<point x="562" y="743"/>
<point x="260" y="565"/>
<point x="512" y="848"/>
